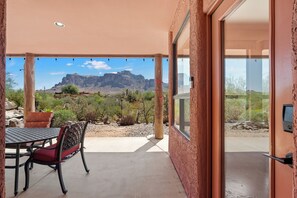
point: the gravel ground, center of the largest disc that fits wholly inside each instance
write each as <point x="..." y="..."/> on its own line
<point x="113" y="130"/>
<point x="143" y="130"/>
<point x="245" y="133"/>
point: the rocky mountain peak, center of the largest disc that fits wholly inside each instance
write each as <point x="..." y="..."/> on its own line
<point x="108" y="83"/>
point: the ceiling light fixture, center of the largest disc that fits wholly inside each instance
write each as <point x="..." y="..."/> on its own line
<point x="59" y="24"/>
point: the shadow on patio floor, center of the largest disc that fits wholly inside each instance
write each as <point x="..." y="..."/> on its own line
<point x="120" y="167"/>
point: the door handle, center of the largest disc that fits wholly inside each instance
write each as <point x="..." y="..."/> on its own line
<point x="288" y="159"/>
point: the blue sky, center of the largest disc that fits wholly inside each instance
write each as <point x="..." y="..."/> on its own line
<point x="235" y="68"/>
<point x="49" y="71"/>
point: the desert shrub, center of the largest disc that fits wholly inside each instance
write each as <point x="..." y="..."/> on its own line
<point x="234" y="109"/>
<point x="70" y="89"/>
<point x="95" y="99"/>
<point x="91" y="116"/>
<point x="131" y="96"/>
<point x="258" y="111"/>
<point x="46" y="101"/>
<point x="56" y="103"/>
<point x="127" y="120"/>
<point x="63" y="116"/>
<point x="111" y="107"/>
<point x="255" y="99"/>
<point x="148" y="95"/>
<point x="79" y="107"/>
<point x="147" y="107"/>
<point x="16" y="96"/>
<point x="68" y="103"/>
<point x="257" y="116"/>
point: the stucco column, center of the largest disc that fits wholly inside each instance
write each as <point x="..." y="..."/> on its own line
<point x="2" y="94"/>
<point x="29" y="84"/>
<point x="294" y="92"/>
<point x="158" y="97"/>
<point x="199" y="99"/>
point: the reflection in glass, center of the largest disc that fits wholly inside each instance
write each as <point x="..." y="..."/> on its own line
<point x="182" y="89"/>
<point x="183" y="75"/>
<point x="246" y="101"/>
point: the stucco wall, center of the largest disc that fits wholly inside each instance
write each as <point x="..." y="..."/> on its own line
<point x="2" y="95"/>
<point x="294" y="91"/>
<point x="190" y="156"/>
<point x="210" y="5"/>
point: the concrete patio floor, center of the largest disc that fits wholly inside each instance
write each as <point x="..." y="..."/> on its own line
<point x="120" y="167"/>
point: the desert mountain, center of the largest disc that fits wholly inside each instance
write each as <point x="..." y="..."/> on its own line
<point x="108" y="83"/>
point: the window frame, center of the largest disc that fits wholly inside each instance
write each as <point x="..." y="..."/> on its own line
<point x="175" y="82"/>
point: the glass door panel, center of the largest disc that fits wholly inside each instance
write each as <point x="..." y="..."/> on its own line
<point x="246" y="100"/>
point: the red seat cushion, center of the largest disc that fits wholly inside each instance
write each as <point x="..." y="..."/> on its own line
<point x="46" y="155"/>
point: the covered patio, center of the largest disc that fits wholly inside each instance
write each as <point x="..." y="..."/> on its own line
<point x="90" y="29"/>
<point x="120" y="167"/>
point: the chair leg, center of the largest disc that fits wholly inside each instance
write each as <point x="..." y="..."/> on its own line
<point x="27" y="174"/>
<point x="31" y="166"/>
<point x="83" y="159"/>
<point x="59" y="167"/>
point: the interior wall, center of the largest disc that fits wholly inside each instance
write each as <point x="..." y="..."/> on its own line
<point x="244" y="35"/>
<point x="2" y="94"/>
<point x="190" y="156"/>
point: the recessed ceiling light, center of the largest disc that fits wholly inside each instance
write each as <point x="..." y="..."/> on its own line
<point x="59" y="24"/>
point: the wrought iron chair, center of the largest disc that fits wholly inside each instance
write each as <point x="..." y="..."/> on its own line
<point x="39" y="120"/>
<point x="70" y="141"/>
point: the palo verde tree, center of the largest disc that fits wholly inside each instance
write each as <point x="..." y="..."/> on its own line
<point x="9" y="82"/>
<point x="70" y="89"/>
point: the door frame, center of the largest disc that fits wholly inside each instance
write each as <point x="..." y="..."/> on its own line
<point x="218" y="144"/>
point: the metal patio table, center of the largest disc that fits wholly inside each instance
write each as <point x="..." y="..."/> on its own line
<point x="18" y="136"/>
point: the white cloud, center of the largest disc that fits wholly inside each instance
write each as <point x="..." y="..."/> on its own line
<point x="129" y="69"/>
<point x="69" y="64"/>
<point x="12" y="75"/>
<point x="113" y="72"/>
<point x="56" y="73"/>
<point x="96" y="65"/>
<point x="124" y="68"/>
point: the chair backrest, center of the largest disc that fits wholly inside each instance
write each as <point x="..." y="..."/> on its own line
<point x="38" y="119"/>
<point x="70" y="139"/>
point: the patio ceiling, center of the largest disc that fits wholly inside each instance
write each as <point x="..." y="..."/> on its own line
<point x="92" y="27"/>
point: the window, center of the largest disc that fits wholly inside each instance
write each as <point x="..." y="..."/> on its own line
<point x="182" y="79"/>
